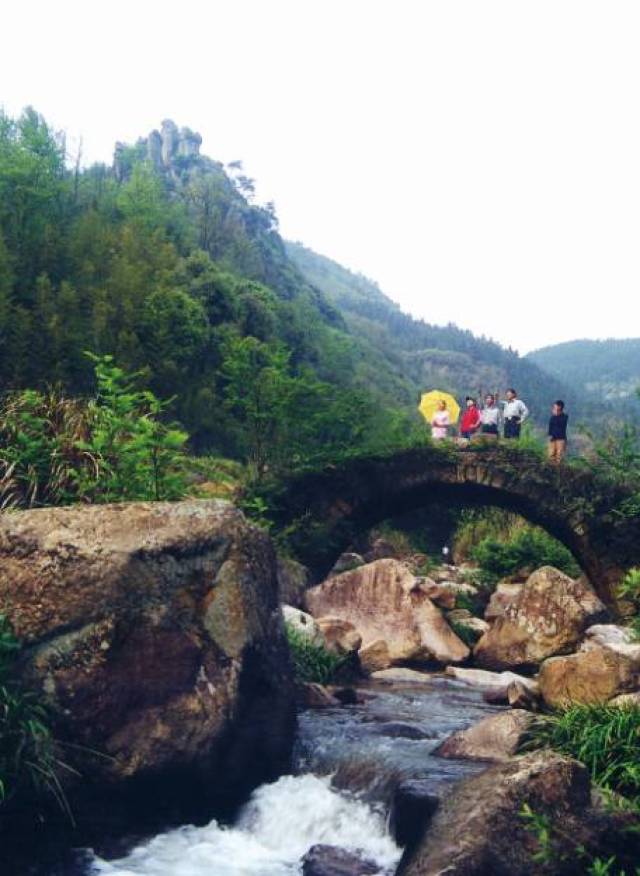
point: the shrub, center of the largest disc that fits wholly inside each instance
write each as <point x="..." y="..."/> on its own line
<point x="57" y="450"/>
<point x="529" y="547"/>
<point x="311" y="662"/>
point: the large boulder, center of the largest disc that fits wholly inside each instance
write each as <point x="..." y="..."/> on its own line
<point x="385" y="601"/>
<point x="547" y="617"/>
<point x="495" y="738"/>
<point x="152" y="633"/>
<point x="480" y="829"/>
<point x="607" y="664"/>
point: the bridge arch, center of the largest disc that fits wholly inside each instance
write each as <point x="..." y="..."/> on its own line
<point x="323" y="511"/>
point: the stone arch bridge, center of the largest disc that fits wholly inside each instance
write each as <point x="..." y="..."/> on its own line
<point x="322" y="511"/>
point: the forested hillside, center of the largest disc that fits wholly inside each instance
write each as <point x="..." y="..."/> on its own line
<point x="163" y="260"/>
<point x="607" y="370"/>
<point x="444" y="356"/>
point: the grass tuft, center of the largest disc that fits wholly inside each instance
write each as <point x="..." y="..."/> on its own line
<point x="311" y="662"/>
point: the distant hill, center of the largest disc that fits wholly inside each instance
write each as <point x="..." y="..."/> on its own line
<point x="426" y="355"/>
<point x="607" y="370"/>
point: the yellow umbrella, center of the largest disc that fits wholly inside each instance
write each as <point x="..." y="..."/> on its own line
<point x="429" y="405"/>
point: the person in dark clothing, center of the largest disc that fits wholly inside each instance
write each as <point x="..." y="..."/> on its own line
<point x="557" y="433"/>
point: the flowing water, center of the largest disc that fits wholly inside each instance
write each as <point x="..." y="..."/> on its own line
<point x="348" y="761"/>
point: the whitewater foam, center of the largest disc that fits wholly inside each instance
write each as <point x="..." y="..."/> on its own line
<point x="275" y="829"/>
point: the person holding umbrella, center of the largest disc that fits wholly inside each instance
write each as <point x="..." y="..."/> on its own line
<point x="440" y="410"/>
<point x="440" y="422"/>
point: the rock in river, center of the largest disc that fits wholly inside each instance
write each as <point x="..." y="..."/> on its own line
<point x="495" y="738"/>
<point x="479" y="829"/>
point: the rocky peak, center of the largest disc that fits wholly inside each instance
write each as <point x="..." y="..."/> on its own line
<point x="164" y="149"/>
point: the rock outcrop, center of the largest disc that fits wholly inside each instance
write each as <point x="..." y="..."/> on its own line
<point x="547" y="617"/>
<point x="495" y="738"/>
<point x="479" y="829"/>
<point x="606" y="664"/>
<point x="384" y="601"/>
<point x="152" y="632"/>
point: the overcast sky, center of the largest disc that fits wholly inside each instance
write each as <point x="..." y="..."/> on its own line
<point x="480" y="159"/>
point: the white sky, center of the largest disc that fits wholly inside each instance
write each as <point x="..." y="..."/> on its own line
<point x="480" y="159"/>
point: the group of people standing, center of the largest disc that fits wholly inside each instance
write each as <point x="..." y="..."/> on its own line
<point x="487" y="420"/>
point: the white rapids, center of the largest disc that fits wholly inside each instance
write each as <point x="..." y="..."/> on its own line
<point x="274" y="830"/>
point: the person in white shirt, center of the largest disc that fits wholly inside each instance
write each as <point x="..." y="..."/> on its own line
<point x="490" y="417"/>
<point x="515" y="412"/>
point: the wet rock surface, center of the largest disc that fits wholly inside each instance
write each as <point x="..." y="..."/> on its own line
<point x="323" y="860"/>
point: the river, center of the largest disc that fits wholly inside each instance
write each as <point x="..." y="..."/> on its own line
<point x="349" y="763"/>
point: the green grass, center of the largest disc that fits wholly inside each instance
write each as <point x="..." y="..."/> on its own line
<point x="29" y="762"/>
<point x="605" y="738"/>
<point x="312" y="663"/>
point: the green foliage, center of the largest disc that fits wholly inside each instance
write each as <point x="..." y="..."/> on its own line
<point x="474" y="525"/>
<point x="554" y="847"/>
<point x="113" y="447"/>
<point x="29" y="762"/>
<point x="136" y="455"/>
<point x="468" y="635"/>
<point x="530" y="441"/>
<point x="527" y="548"/>
<point x="184" y="280"/>
<point x="257" y="510"/>
<point x="617" y="459"/>
<point x="605" y="738"/>
<point x="286" y="418"/>
<point x="311" y="662"/>
<point x="629" y="589"/>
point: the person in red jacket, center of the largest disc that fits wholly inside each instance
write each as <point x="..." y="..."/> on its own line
<point x="470" y="419"/>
